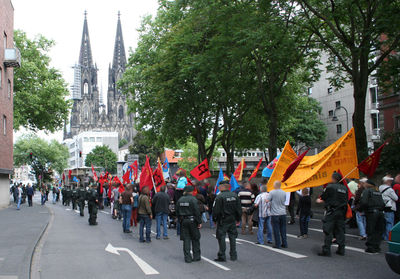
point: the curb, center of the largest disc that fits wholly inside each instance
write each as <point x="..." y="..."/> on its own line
<point x="35" y="257"/>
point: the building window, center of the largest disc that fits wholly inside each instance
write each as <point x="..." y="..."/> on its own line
<point x="99" y="139"/>
<point x="4" y="125"/>
<point x="309" y="90"/>
<point x="92" y="139"/>
<point x="339" y="128"/>
<point x="337" y="104"/>
<point x="85" y="88"/>
<point x="5" y="40"/>
<point x="374" y="121"/>
<point x="121" y="112"/>
<point x="9" y="89"/>
<point x="86" y="113"/>
<point x="373" y="94"/>
<point x="1" y="77"/>
<point x="330" y="113"/>
<point x="330" y="90"/>
<point x="85" y="139"/>
<point x="397" y="122"/>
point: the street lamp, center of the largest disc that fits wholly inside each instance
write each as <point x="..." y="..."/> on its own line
<point x="334" y="118"/>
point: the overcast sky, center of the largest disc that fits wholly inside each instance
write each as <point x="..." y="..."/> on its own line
<point x="62" y="21"/>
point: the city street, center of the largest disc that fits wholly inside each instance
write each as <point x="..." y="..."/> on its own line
<point x="72" y="248"/>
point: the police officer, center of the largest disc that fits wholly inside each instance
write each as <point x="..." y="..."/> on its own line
<point x="188" y="212"/>
<point x="335" y="198"/>
<point x="371" y="203"/>
<point x="63" y="196"/>
<point x="74" y="198"/>
<point x="68" y="195"/>
<point x="81" y="200"/>
<point x="92" y="198"/>
<point x="226" y="213"/>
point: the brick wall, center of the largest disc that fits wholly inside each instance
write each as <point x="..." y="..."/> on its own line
<point x="6" y="97"/>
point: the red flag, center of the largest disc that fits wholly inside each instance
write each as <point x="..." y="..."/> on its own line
<point x="101" y="181"/>
<point x="121" y="187"/>
<point x="135" y="168"/>
<point x="125" y="177"/>
<point x="69" y="174"/>
<point x="238" y="174"/>
<point x="369" y="165"/>
<point x="293" y="166"/>
<point x="94" y="174"/>
<point x="158" y="177"/>
<point x="146" y="175"/>
<point x="254" y="174"/>
<point x="63" y="177"/>
<point x="349" y="193"/>
<point x="202" y="171"/>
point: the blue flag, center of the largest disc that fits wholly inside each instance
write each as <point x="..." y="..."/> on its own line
<point x="165" y="168"/>
<point x="234" y="184"/>
<point x="75" y="179"/>
<point x="268" y="170"/>
<point x="220" y="178"/>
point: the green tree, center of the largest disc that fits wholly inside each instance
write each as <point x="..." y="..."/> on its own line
<point x="45" y="157"/>
<point x="189" y="155"/>
<point x="39" y="90"/>
<point x="143" y="145"/>
<point x="102" y="156"/>
<point x="122" y="143"/>
<point x="351" y="33"/>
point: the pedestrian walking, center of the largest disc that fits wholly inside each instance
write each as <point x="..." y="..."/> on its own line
<point x="246" y="200"/>
<point x="277" y="198"/>
<point x="81" y="200"/>
<point x="30" y="193"/>
<point x="126" y="201"/>
<point x="373" y="205"/>
<point x="227" y="212"/>
<point x="160" y="204"/>
<point x="92" y="204"/>
<point x="389" y="198"/>
<point x="145" y="215"/>
<point x="135" y="196"/>
<point x="335" y="198"/>
<point x="264" y="216"/>
<point x="189" y="216"/>
<point x="19" y="197"/>
<point x="360" y="215"/>
<point x="304" y="212"/>
<point x="291" y="206"/>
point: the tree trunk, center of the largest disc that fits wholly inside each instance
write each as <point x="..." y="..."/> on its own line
<point x="230" y="163"/>
<point x="273" y="130"/>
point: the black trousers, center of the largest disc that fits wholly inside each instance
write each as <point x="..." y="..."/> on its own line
<point x="29" y="200"/>
<point x="375" y="230"/>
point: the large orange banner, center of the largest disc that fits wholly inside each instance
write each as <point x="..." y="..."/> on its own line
<point x="317" y="170"/>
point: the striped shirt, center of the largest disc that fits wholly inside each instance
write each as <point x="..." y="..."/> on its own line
<point x="263" y="205"/>
<point x="246" y="198"/>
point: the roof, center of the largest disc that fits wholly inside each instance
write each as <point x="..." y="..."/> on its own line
<point x="170" y="154"/>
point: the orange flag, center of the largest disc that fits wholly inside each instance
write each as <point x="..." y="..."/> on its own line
<point x="158" y="176"/>
<point x="254" y="174"/>
<point x="238" y="174"/>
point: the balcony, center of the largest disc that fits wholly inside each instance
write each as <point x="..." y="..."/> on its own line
<point x="375" y="135"/>
<point x="12" y="58"/>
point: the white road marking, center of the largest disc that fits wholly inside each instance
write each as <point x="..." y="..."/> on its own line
<point x="77" y="211"/>
<point x="281" y="251"/>
<point x="8" y="277"/>
<point x="145" y="267"/>
<point x="319" y="230"/>
<point x="105" y="212"/>
<point x="216" y="264"/>
<point x="68" y="209"/>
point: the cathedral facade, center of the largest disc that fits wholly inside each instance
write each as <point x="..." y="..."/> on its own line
<point x="89" y="113"/>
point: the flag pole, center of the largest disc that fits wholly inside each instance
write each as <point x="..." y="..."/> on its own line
<point x="348" y="174"/>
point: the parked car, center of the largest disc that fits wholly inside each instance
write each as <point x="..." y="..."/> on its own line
<point x="393" y="255"/>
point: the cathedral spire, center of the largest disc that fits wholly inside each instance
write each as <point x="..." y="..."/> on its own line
<point x="85" y="55"/>
<point x="119" y="59"/>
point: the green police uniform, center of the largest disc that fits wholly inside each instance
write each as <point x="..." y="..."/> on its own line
<point x="68" y="195"/>
<point x="81" y="200"/>
<point x="74" y="198"/>
<point x="226" y="212"/>
<point x="335" y="197"/>
<point x="92" y="205"/>
<point x="372" y="205"/>
<point x="63" y="196"/>
<point x="187" y="210"/>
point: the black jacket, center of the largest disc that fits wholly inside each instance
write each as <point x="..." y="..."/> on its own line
<point x="160" y="203"/>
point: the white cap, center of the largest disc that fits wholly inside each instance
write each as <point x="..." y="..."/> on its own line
<point x="387" y="178"/>
<point x="364" y="179"/>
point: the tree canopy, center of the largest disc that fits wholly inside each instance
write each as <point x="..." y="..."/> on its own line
<point x="102" y="156"/>
<point x="39" y="90"/>
<point x="144" y="145"/>
<point x="42" y="156"/>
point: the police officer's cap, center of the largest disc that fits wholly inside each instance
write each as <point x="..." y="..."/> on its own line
<point x="188" y="189"/>
<point x="224" y="182"/>
<point x="337" y="176"/>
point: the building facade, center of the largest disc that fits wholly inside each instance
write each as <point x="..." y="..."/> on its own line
<point x="9" y="58"/>
<point x="338" y="108"/>
<point x="83" y="143"/>
<point x="89" y="112"/>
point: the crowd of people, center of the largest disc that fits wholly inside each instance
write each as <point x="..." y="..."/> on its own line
<point x="185" y="208"/>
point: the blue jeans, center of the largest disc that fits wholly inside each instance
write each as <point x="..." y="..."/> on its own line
<point x="260" y="232"/>
<point x="279" y="226"/>
<point x="361" y="223"/>
<point x="211" y="221"/>
<point x="145" y="221"/>
<point x="204" y="217"/>
<point x="304" y="224"/>
<point x="161" y="218"/>
<point x="389" y="217"/>
<point x="43" y="199"/>
<point x="126" y="215"/>
<point x="54" y="198"/>
<point x="19" y="203"/>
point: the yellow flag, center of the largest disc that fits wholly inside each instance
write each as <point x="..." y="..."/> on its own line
<point x="317" y="170"/>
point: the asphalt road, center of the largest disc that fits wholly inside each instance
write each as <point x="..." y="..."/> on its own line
<point x="73" y="249"/>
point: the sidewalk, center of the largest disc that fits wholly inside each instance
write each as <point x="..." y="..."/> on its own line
<point x="20" y="230"/>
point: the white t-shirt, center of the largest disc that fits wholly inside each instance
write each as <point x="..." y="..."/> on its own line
<point x="263" y="205"/>
<point x="19" y="192"/>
